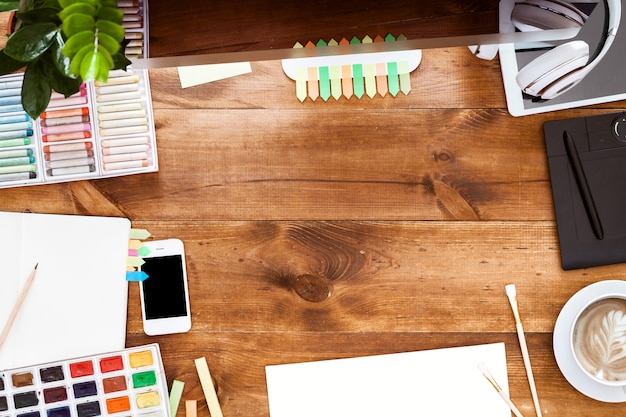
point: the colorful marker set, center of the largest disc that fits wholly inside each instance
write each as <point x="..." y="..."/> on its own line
<point x="134" y="24"/>
<point x="101" y="131"/>
<point x="126" y="383"/>
<point x="352" y="75"/>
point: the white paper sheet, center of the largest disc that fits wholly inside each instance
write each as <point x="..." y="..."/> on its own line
<point x="441" y="382"/>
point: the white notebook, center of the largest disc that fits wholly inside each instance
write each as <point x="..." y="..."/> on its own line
<point x="77" y="303"/>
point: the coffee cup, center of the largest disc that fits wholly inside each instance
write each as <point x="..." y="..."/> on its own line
<point x="598" y="339"/>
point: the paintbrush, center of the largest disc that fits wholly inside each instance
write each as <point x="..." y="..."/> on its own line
<point x="512" y="294"/>
<point x="18" y="305"/>
<point x="493" y="382"/>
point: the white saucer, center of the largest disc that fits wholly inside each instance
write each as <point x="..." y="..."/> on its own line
<point x="563" y="353"/>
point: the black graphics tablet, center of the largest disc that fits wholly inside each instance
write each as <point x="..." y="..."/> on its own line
<point x="587" y="160"/>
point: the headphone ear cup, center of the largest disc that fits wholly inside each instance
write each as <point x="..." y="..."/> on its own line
<point x="554" y="72"/>
<point x="546" y="14"/>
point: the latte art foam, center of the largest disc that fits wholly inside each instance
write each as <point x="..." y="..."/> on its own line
<point x="600" y="339"/>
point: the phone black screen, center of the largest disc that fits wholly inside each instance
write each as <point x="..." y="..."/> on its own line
<point x="164" y="289"/>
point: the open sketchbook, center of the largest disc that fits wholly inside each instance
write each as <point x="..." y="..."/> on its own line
<point x="77" y="303"/>
<point x="439" y="382"/>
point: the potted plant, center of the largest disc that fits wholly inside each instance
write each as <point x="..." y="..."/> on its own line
<point x="60" y="44"/>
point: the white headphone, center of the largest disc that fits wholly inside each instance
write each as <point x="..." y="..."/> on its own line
<point x="558" y="70"/>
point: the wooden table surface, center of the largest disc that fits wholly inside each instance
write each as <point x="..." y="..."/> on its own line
<point x="337" y="229"/>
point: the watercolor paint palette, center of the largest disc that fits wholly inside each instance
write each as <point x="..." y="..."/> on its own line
<point x="128" y="383"/>
<point x="104" y="130"/>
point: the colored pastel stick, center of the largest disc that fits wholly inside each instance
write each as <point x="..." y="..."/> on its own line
<point x="131" y="95"/>
<point x="18" y="168"/>
<point x="76" y="146"/>
<point x="118" y="80"/>
<point x="137" y="156"/>
<point x="10" y="100"/>
<point x="65" y="128"/>
<point x="11" y="108"/>
<point x="111" y="108"/>
<point x="70" y="101"/>
<point x="210" y="394"/>
<point x="11" y="84"/>
<point x="57" y="156"/>
<point x="70" y="171"/>
<point x="10" y="92"/>
<point x="139" y="121"/>
<point x="16" y="153"/>
<point x="117" y="88"/>
<point x="14" y="134"/>
<point x="56" y="121"/>
<point x="14" y="142"/>
<point x="59" y="137"/>
<point x="135" y="113"/>
<point x="19" y="176"/>
<point x="22" y="160"/>
<point x="79" y="111"/>
<point x="125" y="165"/>
<point x="14" y="118"/>
<point x="125" y="149"/>
<point x="128" y="130"/>
<point x="112" y="143"/>
<point x="66" y="163"/>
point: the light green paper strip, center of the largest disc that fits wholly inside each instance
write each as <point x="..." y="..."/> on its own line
<point x="405" y="77"/>
<point x="324" y="83"/>
<point x="369" y="72"/>
<point x="335" y="81"/>
<point x="301" y="83"/>
<point x="140" y="234"/>
<point x="134" y="261"/>
<point x="392" y="78"/>
<point x="357" y="76"/>
<point x="175" y="395"/>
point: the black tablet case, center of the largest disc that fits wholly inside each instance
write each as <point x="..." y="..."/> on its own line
<point x="602" y="150"/>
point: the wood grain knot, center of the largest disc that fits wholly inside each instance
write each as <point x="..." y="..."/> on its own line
<point x="311" y="288"/>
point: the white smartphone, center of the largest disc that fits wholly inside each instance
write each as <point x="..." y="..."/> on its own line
<point x="165" y="294"/>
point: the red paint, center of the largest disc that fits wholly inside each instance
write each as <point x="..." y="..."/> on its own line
<point x="111" y="364"/>
<point x="79" y="369"/>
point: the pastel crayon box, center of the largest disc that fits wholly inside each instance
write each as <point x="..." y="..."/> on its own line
<point x="126" y="383"/>
<point x="104" y="130"/>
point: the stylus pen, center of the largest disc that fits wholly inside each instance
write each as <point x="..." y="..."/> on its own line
<point x="583" y="185"/>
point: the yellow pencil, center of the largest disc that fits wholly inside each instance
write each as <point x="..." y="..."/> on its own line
<point x="18" y="305"/>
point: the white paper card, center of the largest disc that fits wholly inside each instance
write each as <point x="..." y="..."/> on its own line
<point x="441" y="382"/>
<point x="201" y="74"/>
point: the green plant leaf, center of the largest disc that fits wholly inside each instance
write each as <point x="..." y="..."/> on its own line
<point x="112" y="29"/>
<point x="60" y="61"/>
<point x="112" y="14"/>
<point x="107" y="42"/>
<point x="81" y="8"/>
<point x="67" y="3"/>
<point x="77" y="59"/>
<point x="30" y="41"/>
<point x="96" y="66"/>
<point x="9" y="65"/>
<point x="36" y="90"/>
<point x="78" y="23"/>
<point x="9" y="6"/>
<point x="77" y="42"/>
<point x="39" y="15"/>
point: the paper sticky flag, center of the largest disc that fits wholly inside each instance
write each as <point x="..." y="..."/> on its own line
<point x="136" y="276"/>
<point x="138" y="234"/>
<point x="352" y="75"/>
